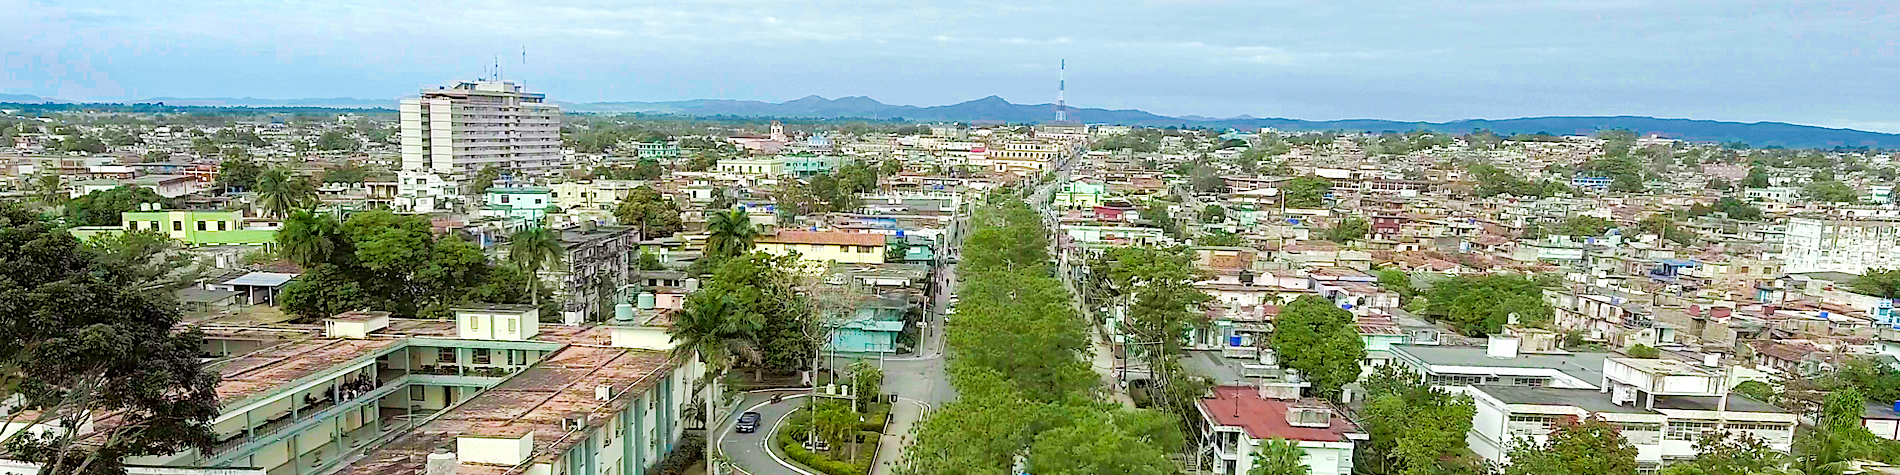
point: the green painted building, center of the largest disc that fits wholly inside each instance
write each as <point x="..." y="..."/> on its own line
<point x="192" y="227"/>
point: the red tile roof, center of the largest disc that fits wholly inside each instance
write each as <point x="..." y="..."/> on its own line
<point x="1241" y="406"/>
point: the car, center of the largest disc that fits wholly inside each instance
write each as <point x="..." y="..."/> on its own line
<point x="748" y="423"/>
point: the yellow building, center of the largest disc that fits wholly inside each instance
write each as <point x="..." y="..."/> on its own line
<point x="826" y="246"/>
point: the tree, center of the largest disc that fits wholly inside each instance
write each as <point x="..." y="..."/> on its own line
<point x="713" y="328"/>
<point x="1213" y="214"/>
<point x="1307" y="191"/>
<point x="1720" y="184"/>
<point x="309" y="238"/>
<point x="761" y="287"/>
<point x="1738" y="209"/>
<point x="1204" y="180"/>
<point x="1482" y="305"/>
<point x="1412" y="427"/>
<point x="87" y="337"/>
<point x="1279" y="457"/>
<point x="48" y="189"/>
<point x="1220" y="237"/>
<point x="1095" y="445"/>
<point x="279" y="193"/>
<point x="1883" y="283"/>
<point x="1757" y="178"/>
<point x="483" y="180"/>
<point x="731" y="233"/>
<point x="1590" y="447"/>
<point x="533" y="250"/>
<point x="655" y="215"/>
<point x="1348" y="230"/>
<point x="1730" y="453"/>
<point x="1582" y="226"/>
<point x="1643" y="351"/>
<point x="1829" y="191"/>
<point x="345" y="174"/>
<point x="240" y="173"/>
<point x="337" y="140"/>
<point x="1166" y="303"/>
<point x="1319" y="339"/>
<point x="104" y="208"/>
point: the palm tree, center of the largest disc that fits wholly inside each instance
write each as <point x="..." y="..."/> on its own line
<point x="732" y="233"/>
<point x="51" y="191"/>
<point x="308" y="238"/>
<point x="714" y="328"/>
<point x="280" y="193"/>
<point x="534" y="249"/>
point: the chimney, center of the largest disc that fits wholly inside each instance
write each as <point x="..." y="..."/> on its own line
<point x="604" y="393"/>
<point x="442" y="462"/>
<point x="1501" y="346"/>
<point x="1712" y="360"/>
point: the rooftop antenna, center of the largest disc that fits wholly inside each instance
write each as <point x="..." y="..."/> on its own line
<point x="1062" y="85"/>
<point x="498" y="67"/>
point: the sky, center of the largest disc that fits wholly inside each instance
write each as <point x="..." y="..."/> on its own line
<point x="1816" y="62"/>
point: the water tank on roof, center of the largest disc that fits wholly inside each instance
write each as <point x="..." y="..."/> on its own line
<point x="646" y="300"/>
<point x="623" y="312"/>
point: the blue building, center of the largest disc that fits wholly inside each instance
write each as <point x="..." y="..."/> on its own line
<point x="1595" y="183"/>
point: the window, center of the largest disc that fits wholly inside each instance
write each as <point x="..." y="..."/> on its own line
<point x="418" y="393"/>
<point x="154" y="225"/>
<point x="1687" y="430"/>
<point x="445" y="355"/>
<point x="201" y="225"/>
<point x="1532" y="382"/>
<point x="482" y="356"/>
<point x="178" y="225"/>
<point x="221" y="225"/>
<point x="504" y="199"/>
<point x="511" y="325"/>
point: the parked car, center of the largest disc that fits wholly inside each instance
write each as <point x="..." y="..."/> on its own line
<point x="748" y="423"/>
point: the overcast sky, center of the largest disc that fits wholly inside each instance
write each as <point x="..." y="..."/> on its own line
<point x="1830" y="63"/>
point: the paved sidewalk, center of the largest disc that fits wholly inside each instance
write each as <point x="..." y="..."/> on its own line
<point x="890" y="449"/>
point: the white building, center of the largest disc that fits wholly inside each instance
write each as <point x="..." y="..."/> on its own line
<point x="1241" y="418"/>
<point x="423" y="192"/>
<point x="455" y="131"/>
<point x="1661" y="406"/>
<point x="1841" y="245"/>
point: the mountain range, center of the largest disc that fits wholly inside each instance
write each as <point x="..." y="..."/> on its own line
<point x="995" y="109"/>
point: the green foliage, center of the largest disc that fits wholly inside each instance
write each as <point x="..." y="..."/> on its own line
<point x="384" y="261"/>
<point x="240" y="173"/>
<point x="1644" y="352"/>
<point x="1738" y="209"/>
<point x="1279" y="457"/>
<point x="1166" y="302"/>
<point x="103" y="208"/>
<point x="1204" y="179"/>
<point x="1730" y="453"/>
<point x="1493" y="181"/>
<point x="1482" y="305"/>
<point x="1829" y="190"/>
<point x="338" y="140"/>
<point x="1883" y="283"/>
<point x="731" y="233"/>
<point x="655" y="215"/>
<point x="1095" y="445"/>
<point x="1220" y="237"/>
<point x="534" y="250"/>
<point x="1397" y="281"/>
<point x="758" y="289"/>
<point x="1590" y="447"/>
<point x="483" y="180"/>
<point x="1144" y="141"/>
<point x="1581" y="226"/>
<point x="1348" y="230"/>
<point x="1213" y="214"/>
<point x="1307" y="191"/>
<point x="279" y="193"/>
<point x="1412" y="428"/>
<point x="88" y="335"/>
<point x="1757" y="178"/>
<point x="1319" y="339"/>
<point x="345" y="174"/>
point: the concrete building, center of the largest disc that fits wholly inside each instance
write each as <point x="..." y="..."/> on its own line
<point x="1841" y="245"/>
<point x="194" y="228"/>
<point x="826" y="246"/>
<point x="523" y="203"/>
<point x="1238" y="419"/>
<point x="455" y="131"/>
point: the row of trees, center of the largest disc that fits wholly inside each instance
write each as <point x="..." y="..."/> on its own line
<point x="1024" y="388"/>
<point x="396" y="263"/>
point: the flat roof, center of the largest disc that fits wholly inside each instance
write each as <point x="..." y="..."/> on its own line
<point x="1736" y="403"/>
<point x="536" y="400"/>
<point x="1584" y="366"/>
<point x="824" y="237"/>
<point x="265" y="370"/>
<point x="1587" y="399"/>
<point x="262" y="279"/>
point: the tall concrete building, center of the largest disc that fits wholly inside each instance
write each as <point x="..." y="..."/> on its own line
<point x="456" y="131"/>
<point x="1850" y="245"/>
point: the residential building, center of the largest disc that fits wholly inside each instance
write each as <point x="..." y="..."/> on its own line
<point x="1080" y="194"/>
<point x="1851" y="245"/>
<point x="1500" y="363"/>
<point x="522" y="204"/>
<point x="194" y="228"/>
<point x="599" y="259"/>
<point x="423" y="192"/>
<point x="657" y="150"/>
<point x="823" y="246"/>
<point x="1238" y="419"/>
<point x="456" y="131"/>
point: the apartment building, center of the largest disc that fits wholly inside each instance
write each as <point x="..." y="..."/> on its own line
<point x="372" y="394"/>
<point x="1238" y="419"/>
<point x="1851" y="245"/>
<point x="455" y="131"/>
<point x="823" y="246"/>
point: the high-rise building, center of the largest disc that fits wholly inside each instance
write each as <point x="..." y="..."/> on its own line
<point x="456" y="131"/>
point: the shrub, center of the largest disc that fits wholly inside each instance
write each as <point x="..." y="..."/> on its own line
<point x="692" y="449"/>
<point x="1644" y="351"/>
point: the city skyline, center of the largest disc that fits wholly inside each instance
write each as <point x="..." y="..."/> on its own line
<point x="1816" y="64"/>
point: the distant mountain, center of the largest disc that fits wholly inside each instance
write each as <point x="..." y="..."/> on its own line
<point x="342" y="102"/>
<point x="29" y="99"/>
<point x="995" y="109"/>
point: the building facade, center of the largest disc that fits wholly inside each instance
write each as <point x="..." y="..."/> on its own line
<point x="1841" y="245"/>
<point x="456" y="131"/>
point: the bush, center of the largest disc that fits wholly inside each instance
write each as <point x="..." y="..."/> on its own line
<point x="1644" y="351"/>
<point x="692" y="449"/>
<point x="790" y="441"/>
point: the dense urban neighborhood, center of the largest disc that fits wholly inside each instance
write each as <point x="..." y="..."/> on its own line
<point x="479" y="282"/>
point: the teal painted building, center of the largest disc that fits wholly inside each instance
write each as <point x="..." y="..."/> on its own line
<point x="872" y="328"/>
<point x="805" y="164"/>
